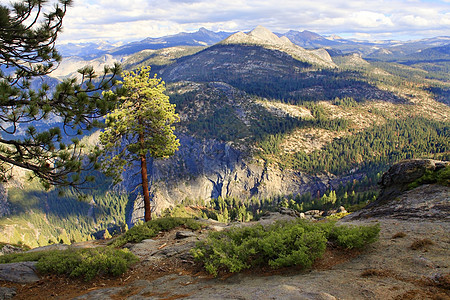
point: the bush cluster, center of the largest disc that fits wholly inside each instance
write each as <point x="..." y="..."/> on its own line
<point x="282" y="244"/>
<point x="85" y="263"/>
<point x="152" y="228"/>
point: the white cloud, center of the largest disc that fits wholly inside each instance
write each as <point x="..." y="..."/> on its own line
<point x="137" y="19"/>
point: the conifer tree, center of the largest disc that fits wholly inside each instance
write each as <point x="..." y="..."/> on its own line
<point x="139" y="127"/>
<point x="28" y="32"/>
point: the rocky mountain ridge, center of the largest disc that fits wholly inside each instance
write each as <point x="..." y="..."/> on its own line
<point x="205" y="37"/>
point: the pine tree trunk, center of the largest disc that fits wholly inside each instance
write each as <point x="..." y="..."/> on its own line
<point x="144" y="176"/>
<point x="148" y="214"/>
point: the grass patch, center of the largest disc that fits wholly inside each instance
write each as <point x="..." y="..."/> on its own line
<point x="85" y="263"/>
<point x="24" y="256"/>
<point x="282" y="244"/>
<point x="398" y="235"/>
<point x="374" y="273"/>
<point x="420" y="244"/>
<point x="151" y="228"/>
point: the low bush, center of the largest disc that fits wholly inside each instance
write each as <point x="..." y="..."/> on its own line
<point x="24" y="256"/>
<point x="86" y="263"/>
<point x="282" y="244"/>
<point x="354" y="236"/>
<point x="151" y="228"/>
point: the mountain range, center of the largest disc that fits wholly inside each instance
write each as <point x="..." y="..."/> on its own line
<point x="205" y="37"/>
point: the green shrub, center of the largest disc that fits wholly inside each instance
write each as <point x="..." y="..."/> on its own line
<point x="441" y="177"/>
<point x="282" y="244"/>
<point x="86" y="263"/>
<point x="23" y="256"/>
<point x="151" y="228"/>
<point x="354" y="236"/>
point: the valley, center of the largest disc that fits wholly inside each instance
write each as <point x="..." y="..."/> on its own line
<point x="284" y="120"/>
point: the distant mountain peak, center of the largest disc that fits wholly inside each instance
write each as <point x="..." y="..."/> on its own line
<point x="263" y="37"/>
<point x="259" y="36"/>
<point x="265" y="34"/>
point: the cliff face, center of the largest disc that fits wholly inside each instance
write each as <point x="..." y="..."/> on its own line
<point x="205" y="169"/>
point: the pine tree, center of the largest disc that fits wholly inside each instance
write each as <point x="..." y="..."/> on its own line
<point x="139" y="127"/>
<point x="28" y="32"/>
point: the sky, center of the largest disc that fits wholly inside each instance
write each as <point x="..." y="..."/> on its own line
<point x="132" y="20"/>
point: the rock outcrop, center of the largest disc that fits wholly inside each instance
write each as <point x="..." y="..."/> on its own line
<point x="396" y="180"/>
<point x="397" y="200"/>
<point x="22" y="272"/>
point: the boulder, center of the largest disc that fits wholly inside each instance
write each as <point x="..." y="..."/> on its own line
<point x="341" y="209"/>
<point x="289" y="212"/>
<point x="22" y="272"/>
<point x="145" y="248"/>
<point x="184" y="234"/>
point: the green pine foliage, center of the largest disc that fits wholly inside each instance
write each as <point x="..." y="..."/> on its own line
<point x="282" y="244"/>
<point x="378" y="146"/>
<point x="29" y="31"/>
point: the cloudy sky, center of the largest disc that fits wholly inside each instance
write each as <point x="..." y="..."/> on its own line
<point x="131" y="20"/>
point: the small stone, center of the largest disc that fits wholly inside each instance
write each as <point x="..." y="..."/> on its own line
<point x="184" y="234"/>
<point x="341" y="209"/>
<point x="215" y="228"/>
